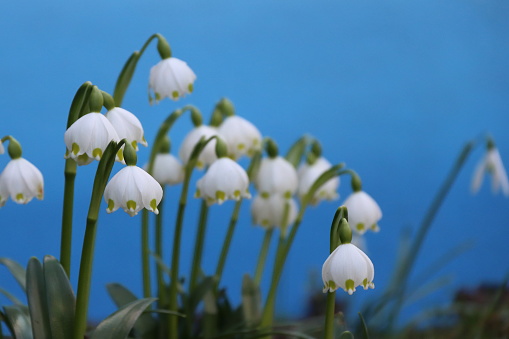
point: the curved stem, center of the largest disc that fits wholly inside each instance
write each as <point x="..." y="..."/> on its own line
<point x="263" y="255"/>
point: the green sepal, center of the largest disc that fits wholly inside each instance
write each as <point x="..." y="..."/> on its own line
<point x="165" y="146"/>
<point x="95" y="102"/>
<point x="108" y="101"/>
<point x="216" y="118"/>
<point x="119" y="324"/>
<point x="18" y="321"/>
<point x="225" y="106"/>
<point x="125" y="78"/>
<point x="295" y="153"/>
<point x="341" y="213"/>
<point x="79" y="103"/>
<point x="163" y="47"/>
<point x="14" y="148"/>
<point x="37" y="300"/>
<point x="490" y="143"/>
<point x="196" y="117"/>
<point x="271" y="148"/>
<point x="251" y="301"/>
<point x="356" y="182"/>
<point x="221" y="148"/>
<point x="345" y="232"/>
<point x="17" y="271"/>
<point x="130" y="156"/>
<point x="316" y="148"/>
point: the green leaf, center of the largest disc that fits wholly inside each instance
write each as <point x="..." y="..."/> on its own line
<point x="16" y="270"/>
<point x="251" y="301"/>
<point x="322" y="179"/>
<point x="364" y="326"/>
<point x="18" y="321"/>
<point x="125" y="78"/>
<point x="37" y="300"/>
<point x="199" y="292"/>
<point x="297" y="150"/>
<point x="11" y="297"/>
<point x="122" y="296"/>
<point x="60" y="297"/>
<point x="119" y="324"/>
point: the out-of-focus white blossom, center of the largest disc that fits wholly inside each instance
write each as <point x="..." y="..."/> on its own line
<point x="241" y="136"/>
<point x="270" y="212"/>
<point x="308" y="173"/>
<point x="168" y="169"/>
<point x="208" y="154"/>
<point x="127" y="126"/>
<point x="363" y="212"/>
<point x="22" y="181"/>
<point x="276" y="176"/>
<point x="491" y="164"/>
<point x="170" y="78"/>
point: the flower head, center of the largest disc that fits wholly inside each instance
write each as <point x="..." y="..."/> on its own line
<point x="347" y="267"/>
<point x="270" y="212"/>
<point x="22" y="181"/>
<point x="88" y="137"/>
<point x="241" y="136"/>
<point x="127" y="126"/>
<point x="133" y="189"/>
<point x="363" y="212"/>
<point x="168" y="170"/>
<point x="276" y="176"/>
<point x="308" y="173"/>
<point x="208" y="154"/>
<point x="171" y="78"/>
<point x="225" y="179"/>
<point x="491" y="164"/>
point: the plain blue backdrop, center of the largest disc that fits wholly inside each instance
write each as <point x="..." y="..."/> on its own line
<point x="392" y="88"/>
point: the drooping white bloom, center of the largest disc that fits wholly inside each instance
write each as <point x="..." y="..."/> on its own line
<point x="208" y="154"/>
<point x="225" y="179"/>
<point x="276" y="176"/>
<point x="133" y="189"/>
<point x="2" y="149"/>
<point x="347" y="267"/>
<point x="127" y="126"/>
<point x="168" y="170"/>
<point x="22" y="181"/>
<point x="491" y="164"/>
<point x="241" y="136"/>
<point x="270" y="212"/>
<point x="88" y="137"/>
<point x="363" y="212"/>
<point x="171" y="78"/>
<point x="308" y="173"/>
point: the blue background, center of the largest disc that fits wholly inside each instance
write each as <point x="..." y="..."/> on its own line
<point x="392" y="88"/>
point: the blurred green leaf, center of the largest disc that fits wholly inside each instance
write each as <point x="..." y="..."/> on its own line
<point x="119" y="324"/>
<point x="37" y="300"/>
<point x="296" y="152"/>
<point x="251" y="301"/>
<point x="18" y="321"/>
<point x="11" y="297"/>
<point x="16" y="270"/>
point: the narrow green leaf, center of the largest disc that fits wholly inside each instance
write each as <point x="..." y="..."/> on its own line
<point x="364" y="326"/>
<point x="125" y="78"/>
<point x="295" y="153"/>
<point x="322" y="179"/>
<point x="37" y="300"/>
<point x="17" y="271"/>
<point x="18" y="321"/>
<point x="60" y="297"/>
<point x="199" y="292"/>
<point x="11" y="297"/>
<point x="251" y="301"/>
<point x="119" y="324"/>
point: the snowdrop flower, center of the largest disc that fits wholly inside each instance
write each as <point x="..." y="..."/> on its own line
<point x="241" y="136"/>
<point x="88" y="137"/>
<point x="170" y="78"/>
<point x="2" y="149"/>
<point x="133" y="189"/>
<point x="127" y="126"/>
<point x="168" y="170"/>
<point x="269" y="212"/>
<point x="491" y="164"/>
<point x="276" y="176"/>
<point x="347" y="267"/>
<point x="225" y="179"/>
<point x="208" y="155"/>
<point x="308" y="173"/>
<point x="363" y="212"/>
<point x="22" y="181"/>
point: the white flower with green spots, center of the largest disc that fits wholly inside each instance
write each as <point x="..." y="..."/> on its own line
<point x="276" y="176"/>
<point x="308" y="173"/>
<point x="270" y="212"/>
<point x="363" y="212"/>
<point x="127" y="126"/>
<point x="241" y="136"/>
<point x="88" y="137"/>
<point x="347" y="267"/>
<point x="491" y="164"/>
<point x="208" y="154"/>
<point x="133" y="189"/>
<point x="170" y="78"/>
<point x="225" y="179"/>
<point x="22" y="181"/>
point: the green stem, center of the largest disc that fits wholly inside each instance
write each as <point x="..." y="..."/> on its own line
<point x="198" y="245"/>
<point x="145" y="254"/>
<point x="67" y="213"/>
<point x="226" y="243"/>
<point x="329" y="315"/>
<point x="263" y="256"/>
<point x="161" y="287"/>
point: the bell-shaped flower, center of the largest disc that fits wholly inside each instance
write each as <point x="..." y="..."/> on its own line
<point x="276" y="176"/>
<point x="2" y="149"/>
<point x="171" y="78"/>
<point x="133" y="189"/>
<point x="270" y="212"/>
<point x="127" y="126"/>
<point x="241" y="136"/>
<point x="363" y="212"/>
<point x="308" y="173"/>
<point x="22" y="181"/>
<point x="88" y="137"/>
<point x="168" y="170"/>
<point x="491" y="164"/>
<point x="225" y="179"/>
<point x="347" y="267"/>
<point x="208" y="154"/>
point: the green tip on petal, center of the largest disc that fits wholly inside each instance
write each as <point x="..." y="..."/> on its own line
<point x="97" y="153"/>
<point x="288" y="195"/>
<point x="131" y="205"/>
<point x="220" y="196"/>
<point x="111" y="205"/>
<point x="153" y="205"/>
<point x="175" y="94"/>
<point x="236" y="194"/>
<point x="75" y="148"/>
<point x="190" y="88"/>
<point x="350" y="286"/>
<point x="20" y="197"/>
<point x="360" y="227"/>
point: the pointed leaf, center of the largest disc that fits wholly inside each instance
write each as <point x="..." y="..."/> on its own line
<point x="296" y="152"/>
<point x="37" y="300"/>
<point x="364" y="326"/>
<point x="16" y="270"/>
<point x="60" y="297"/>
<point x="199" y="292"/>
<point x="11" y="297"/>
<point x="18" y="321"/>
<point x="119" y="324"/>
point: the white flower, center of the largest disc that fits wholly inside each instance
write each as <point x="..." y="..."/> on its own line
<point x="269" y="212"/>
<point x="363" y="212"/>
<point x="172" y="78"/>
<point x="2" y="149"/>
<point x="241" y="136"/>
<point x="127" y="126"/>
<point x="133" y="189"/>
<point x="88" y="137"/>
<point x="168" y="170"/>
<point x="22" y="181"/>
<point x="347" y="267"/>
<point x="492" y="164"/>
<point x="225" y="179"/>
<point x="276" y="176"/>
<point x="208" y="154"/>
<point x="308" y="173"/>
